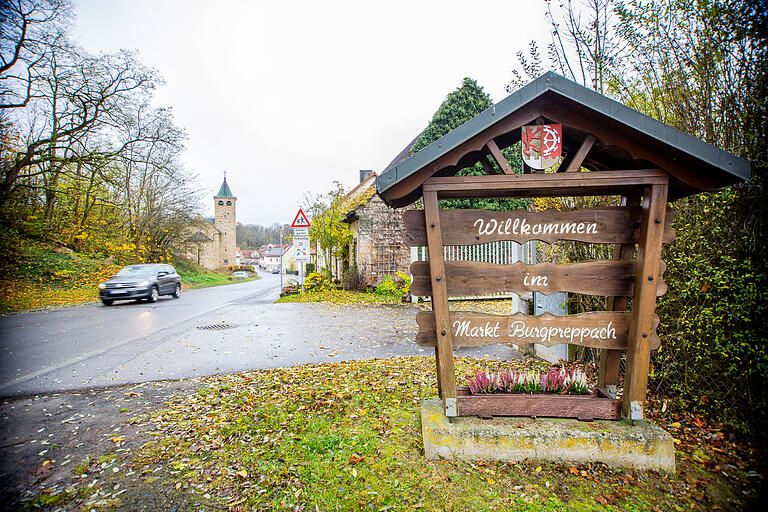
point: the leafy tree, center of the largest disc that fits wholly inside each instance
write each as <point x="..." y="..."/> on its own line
<point x="459" y="107"/>
<point x="329" y="231"/>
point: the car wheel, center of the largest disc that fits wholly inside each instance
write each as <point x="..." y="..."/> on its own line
<point x="107" y="302"/>
<point x="177" y="291"/>
<point x="153" y="294"/>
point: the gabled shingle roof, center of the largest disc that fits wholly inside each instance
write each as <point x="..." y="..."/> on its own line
<point x="694" y="165"/>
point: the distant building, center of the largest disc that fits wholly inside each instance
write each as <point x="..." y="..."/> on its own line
<point x="273" y="256"/>
<point x="212" y="242"/>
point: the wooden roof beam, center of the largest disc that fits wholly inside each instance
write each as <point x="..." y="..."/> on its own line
<point x="550" y="185"/>
<point x="501" y="160"/>
<point x="573" y="160"/>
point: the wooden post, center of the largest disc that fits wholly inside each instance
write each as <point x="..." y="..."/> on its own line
<point x="437" y="364"/>
<point x="610" y="360"/>
<point x="644" y="300"/>
<point x="446" y="370"/>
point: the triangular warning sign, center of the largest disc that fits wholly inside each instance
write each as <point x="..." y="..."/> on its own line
<point x="301" y="220"/>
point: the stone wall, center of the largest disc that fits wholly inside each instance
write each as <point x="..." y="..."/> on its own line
<point x="378" y="235"/>
<point x="203" y="246"/>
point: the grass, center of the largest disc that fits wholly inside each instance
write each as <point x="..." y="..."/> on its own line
<point x="35" y="275"/>
<point x="194" y="276"/>
<point x="341" y="297"/>
<point x="347" y="437"/>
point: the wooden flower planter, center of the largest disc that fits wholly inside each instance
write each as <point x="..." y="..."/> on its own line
<point x="597" y="406"/>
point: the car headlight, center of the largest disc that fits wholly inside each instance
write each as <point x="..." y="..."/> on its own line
<point x="144" y="284"/>
<point x="102" y="286"/>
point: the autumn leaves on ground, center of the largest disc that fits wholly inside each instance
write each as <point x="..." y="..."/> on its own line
<point x="347" y="437"/>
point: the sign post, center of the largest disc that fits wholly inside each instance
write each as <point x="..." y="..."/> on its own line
<point x="300" y="227"/>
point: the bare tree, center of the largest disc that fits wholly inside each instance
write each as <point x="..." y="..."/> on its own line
<point x="27" y="28"/>
<point x="81" y="97"/>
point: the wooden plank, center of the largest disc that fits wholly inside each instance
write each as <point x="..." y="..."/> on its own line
<point x="465" y="278"/>
<point x="547" y="185"/>
<point x="609" y="225"/>
<point x="582" y="407"/>
<point x="600" y="329"/>
<point x="447" y="375"/>
<point x="610" y="360"/>
<point x="499" y="157"/>
<point x="578" y="159"/>
<point x="644" y="301"/>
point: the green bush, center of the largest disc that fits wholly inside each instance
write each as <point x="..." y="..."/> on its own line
<point x="404" y="282"/>
<point x="714" y="355"/>
<point x="317" y="281"/>
<point x="387" y="287"/>
<point x="399" y="284"/>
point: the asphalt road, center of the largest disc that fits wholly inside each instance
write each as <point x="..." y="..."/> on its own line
<point x="94" y="346"/>
<point x="47" y="350"/>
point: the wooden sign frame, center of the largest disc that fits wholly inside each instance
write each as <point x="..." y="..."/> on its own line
<point x="644" y="189"/>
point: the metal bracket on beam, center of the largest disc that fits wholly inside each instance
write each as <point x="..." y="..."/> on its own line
<point x="451" y="407"/>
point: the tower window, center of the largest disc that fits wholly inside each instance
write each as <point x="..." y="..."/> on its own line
<point x="221" y="203"/>
<point x="229" y="203"/>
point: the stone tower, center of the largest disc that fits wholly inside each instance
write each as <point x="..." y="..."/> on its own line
<point x="225" y="222"/>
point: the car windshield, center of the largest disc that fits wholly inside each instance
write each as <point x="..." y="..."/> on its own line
<point x="136" y="271"/>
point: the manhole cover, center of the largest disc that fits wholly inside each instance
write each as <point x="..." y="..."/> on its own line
<point x="215" y="327"/>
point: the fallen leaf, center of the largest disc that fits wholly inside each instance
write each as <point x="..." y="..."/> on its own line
<point x="45" y="468"/>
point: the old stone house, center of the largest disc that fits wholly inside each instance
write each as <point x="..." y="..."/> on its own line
<point x="377" y="246"/>
<point x="212" y="242"/>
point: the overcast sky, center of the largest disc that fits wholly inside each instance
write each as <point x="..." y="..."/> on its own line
<point x="290" y="96"/>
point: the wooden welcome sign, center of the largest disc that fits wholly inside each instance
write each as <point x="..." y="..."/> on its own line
<point x="612" y="331"/>
<point x="606" y="330"/>
<point x="602" y="148"/>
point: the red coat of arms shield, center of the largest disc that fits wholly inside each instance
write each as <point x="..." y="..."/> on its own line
<point x="542" y="145"/>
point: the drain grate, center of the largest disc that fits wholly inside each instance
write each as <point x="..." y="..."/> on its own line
<point x="215" y="327"/>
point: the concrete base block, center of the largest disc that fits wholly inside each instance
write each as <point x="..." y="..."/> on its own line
<point x="643" y="445"/>
<point x="553" y="354"/>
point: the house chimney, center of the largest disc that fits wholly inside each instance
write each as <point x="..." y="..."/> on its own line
<point x="364" y="173"/>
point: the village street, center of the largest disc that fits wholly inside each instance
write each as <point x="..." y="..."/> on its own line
<point x="94" y="346"/>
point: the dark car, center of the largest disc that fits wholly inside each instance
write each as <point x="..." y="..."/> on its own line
<point x="138" y="282"/>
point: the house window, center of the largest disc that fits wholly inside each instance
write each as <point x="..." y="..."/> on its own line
<point x="229" y="203"/>
<point x="226" y="261"/>
<point x="221" y="203"/>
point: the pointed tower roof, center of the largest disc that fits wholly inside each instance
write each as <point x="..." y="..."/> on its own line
<point x="224" y="190"/>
